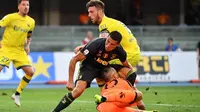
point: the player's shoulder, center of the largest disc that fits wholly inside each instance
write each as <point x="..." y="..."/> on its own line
<point x="106" y="22"/>
<point x="10" y="15"/>
<point x="98" y="40"/>
<point x="31" y="19"/>
<point x="120" y="48"/>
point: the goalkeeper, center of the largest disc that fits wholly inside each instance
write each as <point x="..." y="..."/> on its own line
<point x="117" y="94"/>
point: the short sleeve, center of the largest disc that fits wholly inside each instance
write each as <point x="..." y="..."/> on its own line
<point x="32" y="26"/>
<point x="90" y="48"/>
<point x="5" y="21"/>
<point x="121" y="53"/>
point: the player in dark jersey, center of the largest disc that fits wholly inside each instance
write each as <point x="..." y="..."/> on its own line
<point x="198" y="57"/>
<point x="94" y="57"/>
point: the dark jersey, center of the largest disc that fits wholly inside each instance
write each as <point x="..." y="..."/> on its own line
<point x="97" y="56"/>
<point x="198" y="47"/>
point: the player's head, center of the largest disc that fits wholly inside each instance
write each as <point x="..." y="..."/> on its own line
<point x="110" y="73"/>
<point x="113" y="40"/>
<point x="95" y="10"/>
<point x="23" y="7"/>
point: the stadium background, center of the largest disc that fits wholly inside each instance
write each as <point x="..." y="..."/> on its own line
<point x="59" y="30"/>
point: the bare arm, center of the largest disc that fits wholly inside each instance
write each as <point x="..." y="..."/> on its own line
<point x="72" y="65"/>
<point x="127" y="64"/>
<point x="78" y="48"/>
<point x="28" y="42"/>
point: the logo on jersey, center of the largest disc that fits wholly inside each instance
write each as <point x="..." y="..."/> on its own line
<point x="105" y="55"/>
<point x="17" y="28"/>
<point x="86" y="51"/>
<point x="105" y="63"/>
<point x="114" y="56"/>
<point x="102" y="27"/>
<point x="122" y="94"/>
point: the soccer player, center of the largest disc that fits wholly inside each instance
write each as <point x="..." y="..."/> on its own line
<point x="117" y="94"/>
<point x="14" y="46"/>
<point x="198" y="58"/>
<point x="94" y="57"/>
<point x="129" y="43"/>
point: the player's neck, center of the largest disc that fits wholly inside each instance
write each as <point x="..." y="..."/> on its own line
<point x="23" y="15"/>
<point x="101" y="18"/>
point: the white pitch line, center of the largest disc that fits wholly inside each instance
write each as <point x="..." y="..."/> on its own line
<point x="84" y="101"/>
<point x="175" y="105"/>
<point x="88" y="101"/>
<point x="165" y="105"/>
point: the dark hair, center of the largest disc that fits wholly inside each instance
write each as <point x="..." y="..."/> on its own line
<point x="107" y="69"/>
<point x="105" y="75"/>
<point x="19" y="1"/>
<point x="96" y="3"/>
<point x="115" y="35"/>
<point x="170" y="39"/>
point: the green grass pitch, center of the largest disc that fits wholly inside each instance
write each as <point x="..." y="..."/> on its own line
<point x="164" y="99"/>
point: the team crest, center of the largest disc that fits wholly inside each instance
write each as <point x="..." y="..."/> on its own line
<point x="105" y="55"/>
<point x="86" y="51"/>
<point x="113" y="56"/>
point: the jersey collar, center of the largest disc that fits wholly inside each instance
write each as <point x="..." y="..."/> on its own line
<point x="104" y="18"/>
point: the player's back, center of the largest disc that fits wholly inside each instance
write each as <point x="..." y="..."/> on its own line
<point x="129" y="42"/>
<point x="16" y="29"/>
<point x="116" y="84"/>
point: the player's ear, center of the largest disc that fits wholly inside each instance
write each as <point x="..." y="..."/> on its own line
<point x="118" y="44"/>
<point x="18" y="6"/>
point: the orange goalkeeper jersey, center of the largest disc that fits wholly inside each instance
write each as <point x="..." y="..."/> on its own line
<point x="117" y="84"/>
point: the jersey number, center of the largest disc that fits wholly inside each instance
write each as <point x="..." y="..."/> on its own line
<point x="4" y="59"/>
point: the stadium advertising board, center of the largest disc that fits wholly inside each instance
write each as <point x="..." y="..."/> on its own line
<point x="44" y="69"/>
<point x="153" y="67"/>
<point x="167" y="66"/>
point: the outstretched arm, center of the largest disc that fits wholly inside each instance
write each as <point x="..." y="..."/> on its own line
<point x="125" y="97"/>
<point x="72" y="66"/>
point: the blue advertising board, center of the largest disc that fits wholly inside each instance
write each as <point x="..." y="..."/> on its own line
<point x="43" y="63"/>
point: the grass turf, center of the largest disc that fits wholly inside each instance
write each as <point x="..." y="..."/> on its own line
<point x="164" y="99"/>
